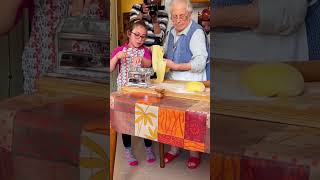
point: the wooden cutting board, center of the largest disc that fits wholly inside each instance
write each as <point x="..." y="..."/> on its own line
<point x="173" y="89"/>
<point x="301" y="110"/>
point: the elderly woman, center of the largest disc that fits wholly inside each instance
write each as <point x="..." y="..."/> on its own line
<point x="260" y="30"/>
<point x="186" y="54"/>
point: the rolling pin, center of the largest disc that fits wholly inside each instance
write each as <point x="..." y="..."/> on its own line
<point x="310" y="70"/>
<point x="206" y="83"/>
<point x="152" y="92"/>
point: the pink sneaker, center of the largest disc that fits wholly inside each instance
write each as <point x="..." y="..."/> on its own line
<point x="151" y="158"/>
<point x="132" y="161"/>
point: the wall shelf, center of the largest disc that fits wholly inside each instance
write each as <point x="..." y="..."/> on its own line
<point x="200" y="3"/>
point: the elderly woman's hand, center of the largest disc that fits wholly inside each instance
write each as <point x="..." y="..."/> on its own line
<point x="170" y="64"/>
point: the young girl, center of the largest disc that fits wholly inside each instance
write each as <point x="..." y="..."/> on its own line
<point x="132" y="53"/>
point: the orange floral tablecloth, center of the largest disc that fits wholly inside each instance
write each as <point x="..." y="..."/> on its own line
<point x="175" y="121"/>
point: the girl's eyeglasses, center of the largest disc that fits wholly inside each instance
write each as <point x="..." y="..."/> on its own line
<point x="137" y="36"/>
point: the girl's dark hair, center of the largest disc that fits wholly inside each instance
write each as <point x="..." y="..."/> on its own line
<point x="134" y="24"/>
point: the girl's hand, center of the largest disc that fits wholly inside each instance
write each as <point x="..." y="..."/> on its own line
<point x="150" y="48"/>
<point x="121" y="55"/>
<point x="137" y="60"/>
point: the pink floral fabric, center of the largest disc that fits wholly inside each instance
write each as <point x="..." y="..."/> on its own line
<point x="40" y="54"/>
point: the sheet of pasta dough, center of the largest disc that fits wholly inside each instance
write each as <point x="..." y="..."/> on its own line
<point x="158" y="65"/>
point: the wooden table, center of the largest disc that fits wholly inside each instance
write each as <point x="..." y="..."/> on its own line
<point x="169" y="120"/>
<point x="277" y="138"/>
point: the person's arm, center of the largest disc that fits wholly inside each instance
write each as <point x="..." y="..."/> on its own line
<point x="199" y="51"/>
<point x="161" y="24"/>
<point x="246" y="16"/>
<point x="178" y="67"/>
<point x="199" y="55"/>
<point x="265" y="16"/>
<point x="135" y="12"/>
<point x="146" y="60"/>
<point x="165" y="43"/>
<point x="156" y="26"/>
<point x="281" y="17"/>
<point x="113" y="63"/>
<point x="8" y="12"/>
<point x="116" y="55"/>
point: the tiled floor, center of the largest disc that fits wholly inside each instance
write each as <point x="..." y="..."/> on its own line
<point x="173" y="171"/>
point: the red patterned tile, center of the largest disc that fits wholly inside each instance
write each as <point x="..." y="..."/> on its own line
<point x="196" y="128"/>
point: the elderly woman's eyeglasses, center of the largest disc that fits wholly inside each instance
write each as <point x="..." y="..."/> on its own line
<point x="181" y="17"/>
<point x="137" y="36"/>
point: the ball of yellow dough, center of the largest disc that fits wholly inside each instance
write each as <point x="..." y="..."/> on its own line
<point x="273" y="79"/>
<point x="195" y="86"/>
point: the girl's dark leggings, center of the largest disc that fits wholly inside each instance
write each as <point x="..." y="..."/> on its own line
<point x="127" y="141"/>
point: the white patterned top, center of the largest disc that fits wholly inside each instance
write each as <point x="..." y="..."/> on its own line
<point x="124" y="64"/>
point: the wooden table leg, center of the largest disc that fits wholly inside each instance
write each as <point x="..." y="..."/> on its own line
<point x="113" y="149"/>
<point x="161" y="149"/>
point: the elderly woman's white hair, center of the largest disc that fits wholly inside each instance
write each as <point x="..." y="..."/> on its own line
<point x="186" y="2"/>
